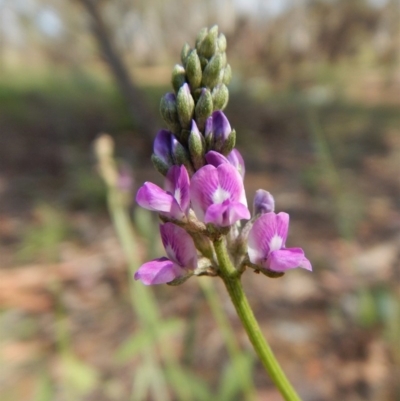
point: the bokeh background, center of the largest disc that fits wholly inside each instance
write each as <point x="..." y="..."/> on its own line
<point x="315" y="101"/>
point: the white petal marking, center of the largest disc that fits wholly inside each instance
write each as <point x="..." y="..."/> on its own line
<point x="275" y="243"/>
<point x="220" y="195"/>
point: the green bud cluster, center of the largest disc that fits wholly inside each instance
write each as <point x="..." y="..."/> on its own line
<point x="200" y="88"/>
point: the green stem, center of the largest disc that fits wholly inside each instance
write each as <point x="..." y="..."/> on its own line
<point x="233" y="284"/>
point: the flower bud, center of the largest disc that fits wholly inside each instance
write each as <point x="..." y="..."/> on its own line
<point x="201" y="36"/>
<point x="227" y="75"/>
<point x="184" y="53"/>
<point x="204" y="108"/>
<point x="220" y="97"/>
<point x="208" y="46"/>
<point x="229" y="143"/>
<point x="193" y="69"/>
<point x="178" y="77"/>
<point x="263" y="202"/>
<point x="208" y="133"/>
<point x="162" y="156"/>
<point x="203" y="62"/>
<point x="221" y="42"/>
<point x="196" y="146"/>
<point x="211" y="74"/>
<point x="185" y="106"/>
<point x="169" y="112"/>
<point x="221" y="129"/>
<point x="181" y="156"/>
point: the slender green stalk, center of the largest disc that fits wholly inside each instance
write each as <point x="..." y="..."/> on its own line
<point x="233" y="284"/>
<point x="229" y="338"/>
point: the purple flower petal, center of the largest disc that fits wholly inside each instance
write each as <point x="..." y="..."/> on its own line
<point x="208" y="129"/>
<point x="226" y="213"/>
<point x="179" y="245"/>
<point x="285" y="259"/>
<point x="159" y="271"/>
<point x="215" y="158"/>
<point x="221" y="127"/>
<point x="236" y="159"/>
<point x="152" y="197"/>
<point x="162" y="146"/>
<point x="178" y="184"/>
<point x="214" y="185"/>
<point x="263" y="202"/>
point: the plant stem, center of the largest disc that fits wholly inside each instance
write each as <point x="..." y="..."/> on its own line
<point x="233" y="284"/>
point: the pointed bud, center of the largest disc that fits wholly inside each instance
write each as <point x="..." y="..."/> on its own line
<point x="263" y="202"/>
<point x="224" y="60"/>
<point x="203" y="62"/>
<point x="162" y="146"/>
<point x="193" y="69"/>
<point x="181" y="156"/>
<point x="229" y="144"/>
<point x="178" y="77"/>
<point x="227" y="75"/>
<point x="196" y="146"/>
<point x="211" y="74"/>
<point x="208" y="133"/>
<point x="169" y="112"/>
<point x="204" y="108"/>
<point x="184" y="53"/>
<point x="185" y="106"/>
<point x="221" y="42"/>
<point x="221" y="129"/>
<point x="201" y="36"/>
<point x="208" y="46"/>
<point x="220" y="97"/>
<point x="159" y="165"/>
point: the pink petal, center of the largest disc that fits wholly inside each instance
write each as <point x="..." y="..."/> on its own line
<point x="236" y="159"/>
<point x="227" y="213"/>
<point x="282" y="225"/>
<point x="261" y="235"/>
<point x="285" y="259"/>
<point x="179" y="245"/>
<point x="215" y="158"/>
<point x="202" y="187"/>
<point x="152" y="197"/>
<point x="158" y="271"/>
<point x="178" y="184"/>
<point x="231" y="181"/>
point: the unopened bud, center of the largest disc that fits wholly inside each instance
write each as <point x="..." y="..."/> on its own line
<point x="196" y="146"/>
<point x="185" y="106"/>
<point x="169" y="112"/>
<point x="220" y="97"/>
<point x="184" y="53"/>
<point x="221" y="130"/>
<point x="181" y="156"/>
<point x="203" y="62"/>
<point x="229" y="144"/>
<point x="160" y="165"/>
<point x="236" y="159"/>
<point x="221" y="42"/>
<point x="211" y="74"/>
<point x="204" y="108"/>
<point x="201" y="36"/>
<point x="178" y="77"/>
<point x="263" y="202"/>
<point x="209" y="45"/>
<point x="208" y="133"/>
<point x="227" y="75"/>
<point x="193" y="69"/>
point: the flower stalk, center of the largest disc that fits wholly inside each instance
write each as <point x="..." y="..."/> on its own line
<point x="234" y="287"/>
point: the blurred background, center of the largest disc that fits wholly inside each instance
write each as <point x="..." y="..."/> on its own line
<point x="315" y="102"/>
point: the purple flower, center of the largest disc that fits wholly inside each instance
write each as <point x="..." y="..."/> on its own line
<point x="162" y="146"/>
<point x="174" y="201"/>
<point x="263" y="202"/>
<point x="218" y="195"/>
<point x="182" y="256"/>
<point x="218" y="128"/>
<point x="266" y="244"/>
<point x="234" y="158"/>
